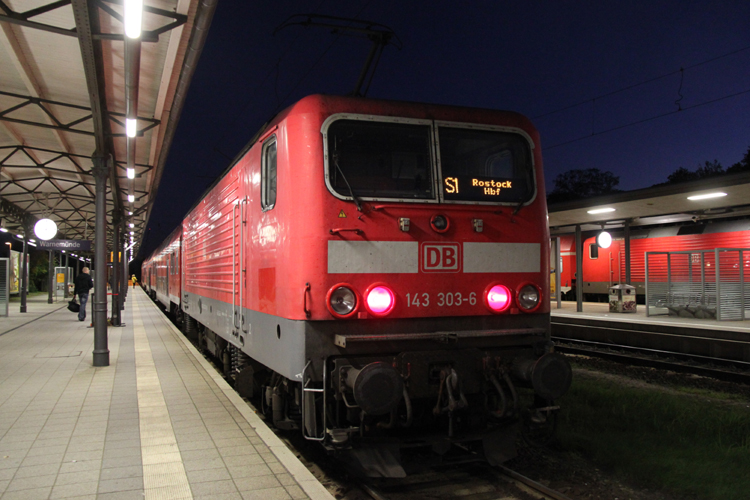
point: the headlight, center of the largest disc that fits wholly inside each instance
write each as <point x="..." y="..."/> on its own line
<point x="342" y="301"/>
<point x="529" y="297"/>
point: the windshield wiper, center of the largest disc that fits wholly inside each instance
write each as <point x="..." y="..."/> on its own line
<point x="351" y="191"/>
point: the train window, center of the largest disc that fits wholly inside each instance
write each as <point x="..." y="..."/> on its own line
<point x="380" y="159"/>
<point x="593" y="251"/>
<point x="485" y="165"/>
<point x="268" y="175"/>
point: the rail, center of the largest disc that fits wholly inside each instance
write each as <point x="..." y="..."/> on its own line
<point x="654" y="358"/>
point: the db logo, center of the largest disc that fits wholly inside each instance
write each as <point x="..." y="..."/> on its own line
<point x="440" y="257"/>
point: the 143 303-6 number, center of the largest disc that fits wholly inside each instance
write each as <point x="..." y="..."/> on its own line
<point x="444" y="299"/>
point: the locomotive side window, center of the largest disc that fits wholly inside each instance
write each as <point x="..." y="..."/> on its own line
<point x="485" y="165"/>
<point x="268" y="175"/>
<point x="380" y="159"/>
<point x="593" y="251"/>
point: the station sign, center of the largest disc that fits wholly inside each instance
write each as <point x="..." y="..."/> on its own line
<point x="67" y="245"/>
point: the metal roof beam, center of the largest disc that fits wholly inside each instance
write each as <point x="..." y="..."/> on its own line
<point x="66" y="127"/>
<point x="22" y="19"/>
<point x="18" y="214"/>
<point x="87" y="22"/>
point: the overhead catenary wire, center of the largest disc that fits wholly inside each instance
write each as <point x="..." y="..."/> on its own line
<point x="320" y="58"/>
<point x="644" y="120"/>
<point x="644" y="82"/>
<point x="275" y="70"/>
<point x="252" y="95"/>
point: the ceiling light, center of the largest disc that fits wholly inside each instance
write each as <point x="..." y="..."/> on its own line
<point x="131" y="174"/>
<point x="131" y="198"/>
<point x="131" y="127"/>
<point x="601" y="210"/>
<point x="133" y="17"/>
<point x="132" y="225"/>
<point x="3" y="230"/>
<point x="706" y="196"/>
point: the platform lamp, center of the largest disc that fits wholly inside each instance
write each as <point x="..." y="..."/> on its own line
<point x="604" y="239"/>
<point x="45" y="229"/>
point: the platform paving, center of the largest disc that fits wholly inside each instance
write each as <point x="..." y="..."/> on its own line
<point x="158" y="423"/>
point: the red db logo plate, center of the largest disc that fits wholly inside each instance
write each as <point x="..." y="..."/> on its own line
<point x="440" y="258"/>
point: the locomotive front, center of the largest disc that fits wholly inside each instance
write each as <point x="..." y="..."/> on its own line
<point x="428" y="321"/>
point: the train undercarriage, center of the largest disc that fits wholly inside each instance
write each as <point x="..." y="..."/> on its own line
<point x="369" y="409"/>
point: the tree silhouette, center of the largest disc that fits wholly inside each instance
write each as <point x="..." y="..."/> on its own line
<point x="708" y="169"/>
<point x="583" y="183"/>
<point x="741" y="166"/>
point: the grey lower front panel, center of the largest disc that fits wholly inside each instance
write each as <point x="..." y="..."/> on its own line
<point x="285" y="346"/>
<point x="276" y="342"/>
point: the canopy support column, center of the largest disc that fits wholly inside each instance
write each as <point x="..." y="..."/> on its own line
<point x="102" y="166"/>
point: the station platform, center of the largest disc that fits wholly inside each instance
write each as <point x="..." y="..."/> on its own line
<point x="600" y="311"/>
<point x="158" y="423"/>
<point x="709" y="339"/>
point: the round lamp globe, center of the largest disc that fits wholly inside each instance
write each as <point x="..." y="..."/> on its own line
<point x="604" y="240"/>
<point x="45" y="229"/>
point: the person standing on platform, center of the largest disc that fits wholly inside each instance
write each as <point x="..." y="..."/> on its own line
<point x="135" y="280"/>
<point x="83" y="283"/>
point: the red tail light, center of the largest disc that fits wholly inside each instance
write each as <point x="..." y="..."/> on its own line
<point x="497" y="298"/>
<point x="379" y="299"/>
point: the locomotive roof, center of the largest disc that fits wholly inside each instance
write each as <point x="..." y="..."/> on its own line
<point x="656" y="206"/>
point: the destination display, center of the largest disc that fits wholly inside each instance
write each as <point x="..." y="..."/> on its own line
<point x="469" y="188"/>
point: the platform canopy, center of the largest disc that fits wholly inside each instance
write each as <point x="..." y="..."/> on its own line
<point x="657" y="205"/>
<point x="66" y="88"/>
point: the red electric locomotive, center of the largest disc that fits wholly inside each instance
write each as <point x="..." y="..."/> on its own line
<point x="377" y="272"/>
<point x="604" y="267"/>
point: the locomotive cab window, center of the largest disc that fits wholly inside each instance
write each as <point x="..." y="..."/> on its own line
<point x="485" y="165"/>
<point x="380" y="159"/>
<point x="268" y="175"/>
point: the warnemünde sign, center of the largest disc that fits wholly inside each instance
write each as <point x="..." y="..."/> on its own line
<point x="68" y="245"/>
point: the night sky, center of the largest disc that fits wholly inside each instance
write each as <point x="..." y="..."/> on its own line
<point x="576" y="68"/>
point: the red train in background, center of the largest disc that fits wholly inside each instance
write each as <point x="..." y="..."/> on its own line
<point x="604" y="267"/>
<point x="376" y="272"/>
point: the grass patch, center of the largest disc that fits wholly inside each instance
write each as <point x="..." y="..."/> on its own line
<point x="675" y="442"/>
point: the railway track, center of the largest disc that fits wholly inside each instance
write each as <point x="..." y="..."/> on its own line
<point x="706" y="366"/>
<point x="469" y="482"/>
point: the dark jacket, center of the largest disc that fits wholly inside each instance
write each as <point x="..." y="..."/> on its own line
<point x="83" y="283"/>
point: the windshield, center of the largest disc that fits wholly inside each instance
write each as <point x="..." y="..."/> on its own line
<point x="395" y="160"/>
<point x="485" y="165"/>
<point x="380" y="159"/>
